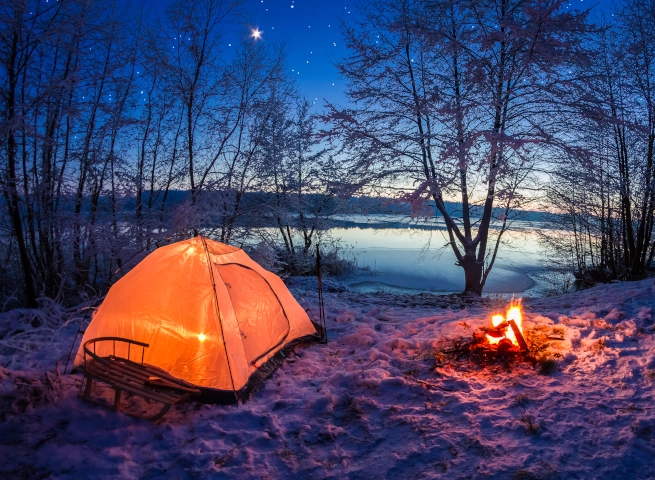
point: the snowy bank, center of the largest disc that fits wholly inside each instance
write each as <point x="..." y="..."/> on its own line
<point x="372" y="403"/>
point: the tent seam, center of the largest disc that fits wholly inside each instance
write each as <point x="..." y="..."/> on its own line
<point x="218" y="316"/>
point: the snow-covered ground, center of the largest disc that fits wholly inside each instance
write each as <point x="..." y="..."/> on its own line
<point x="376" y="402"/>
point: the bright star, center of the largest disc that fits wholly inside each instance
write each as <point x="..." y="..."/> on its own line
<point x="256" y="34"/>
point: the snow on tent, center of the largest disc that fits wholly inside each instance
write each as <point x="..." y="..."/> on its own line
<point x="211" y="316"/>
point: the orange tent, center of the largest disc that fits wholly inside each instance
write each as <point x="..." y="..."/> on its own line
<point x="211" y="315"/>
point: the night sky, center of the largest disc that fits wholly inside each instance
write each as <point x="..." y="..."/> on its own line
<point x="309" y="28"/>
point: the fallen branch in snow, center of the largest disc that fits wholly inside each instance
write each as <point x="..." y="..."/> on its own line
<point x="366" y="367"/>
<point x="428" y="384"/>
<point x="631" y="407"/>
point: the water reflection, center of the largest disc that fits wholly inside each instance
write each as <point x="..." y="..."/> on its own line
<point x="419" y="259"/>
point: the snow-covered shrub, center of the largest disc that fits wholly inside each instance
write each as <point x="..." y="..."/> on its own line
<point x="335" y="261"/>
<point x="338" y="261"/>
<point x="23" y="391"/>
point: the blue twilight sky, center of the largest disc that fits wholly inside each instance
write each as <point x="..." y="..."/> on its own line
<point x="309" y="29"/>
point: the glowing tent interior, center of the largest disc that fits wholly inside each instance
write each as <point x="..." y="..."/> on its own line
<point x="212" y="316"/>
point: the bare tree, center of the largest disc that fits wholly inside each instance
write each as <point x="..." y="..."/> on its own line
<point x="189" y="51"/>
<point x="306" y="181"/>
<point x="458" y="94"/>
<point x="257" y="80"/>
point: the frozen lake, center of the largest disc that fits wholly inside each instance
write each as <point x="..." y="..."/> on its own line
<point x="417" y="259"/>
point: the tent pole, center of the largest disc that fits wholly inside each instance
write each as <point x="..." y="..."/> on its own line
<point x="218" y="316"/>
<point x="321" y="302"/>
<point x="308" y="310"/>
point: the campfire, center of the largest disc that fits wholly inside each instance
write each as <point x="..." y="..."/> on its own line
<point x="504" y="343"/>
<point x="507" y="330"/>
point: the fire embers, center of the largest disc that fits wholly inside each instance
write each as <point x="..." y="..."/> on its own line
<point x="507" y="331"/>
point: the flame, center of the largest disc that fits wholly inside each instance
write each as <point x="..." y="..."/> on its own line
<point x="514" y="312"/>
<point x="495" y="321"/>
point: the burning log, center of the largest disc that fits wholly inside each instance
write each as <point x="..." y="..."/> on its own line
<point x="519" y="336"/>
<point x="497" y="331"/>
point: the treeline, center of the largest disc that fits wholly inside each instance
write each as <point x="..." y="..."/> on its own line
<point x="107" y="108"/>
<point x="604" y="187"/>
<point x="479" y="109"/>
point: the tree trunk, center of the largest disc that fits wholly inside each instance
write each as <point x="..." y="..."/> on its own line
<point x="472" y="273"/>
<point x="11" y="187"/>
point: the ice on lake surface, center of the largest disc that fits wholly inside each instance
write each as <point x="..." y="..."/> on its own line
<point x="418" y="259"/>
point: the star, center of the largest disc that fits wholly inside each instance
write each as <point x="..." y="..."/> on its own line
<point x="256" y="33"/>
